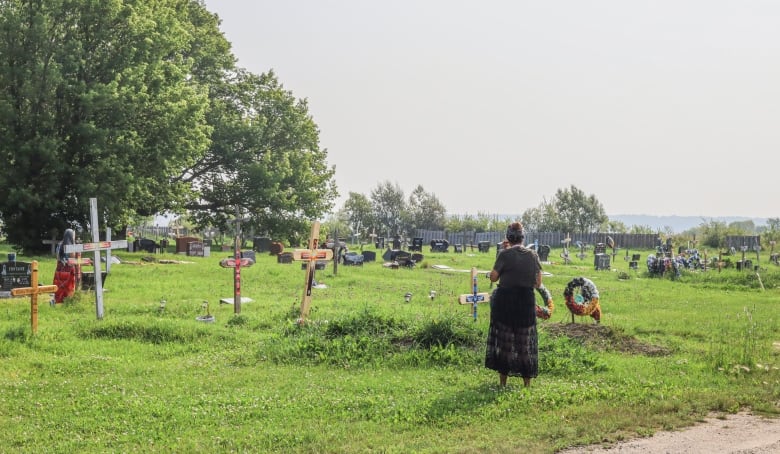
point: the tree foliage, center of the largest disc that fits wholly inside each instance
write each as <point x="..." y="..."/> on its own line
<point x="96" y="101"/>
<point x="425" y="211"/>
<point x="578" y="212"/>
<point x="387" y="200"/>
<point x="360" y="214"/>
<point x="570" y="210"/>
<point x="139" y="104"/>
<point x="264" y="163"/>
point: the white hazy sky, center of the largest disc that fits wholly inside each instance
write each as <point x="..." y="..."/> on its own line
<point x="655" y="107"/>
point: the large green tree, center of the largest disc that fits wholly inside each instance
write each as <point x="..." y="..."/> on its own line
<point x="139" y="103"/>
<point x="571" y="210"/>
<point x="425" y="210"/>
<point x="100" y="99"/>
<point x="264" y="163"/>
<point x="360" y="214"/>
<point x="387" y="200"/>
<point x="579" y="212"/>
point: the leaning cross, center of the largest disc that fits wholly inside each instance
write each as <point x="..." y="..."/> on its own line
<point x="311" y="256"/>
<point x="475" y="297"/>
<point x="97" y="247"/>
<point x="34" y="290"/>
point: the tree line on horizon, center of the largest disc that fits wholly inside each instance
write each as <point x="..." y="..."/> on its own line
<point x="387" y="212"/>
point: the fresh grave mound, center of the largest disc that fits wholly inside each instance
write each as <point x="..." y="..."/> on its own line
<point x="602" y="337"/>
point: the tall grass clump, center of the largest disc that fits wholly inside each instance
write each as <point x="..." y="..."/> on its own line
<point x="369" y="338"/>
<point x="364" y="338"/>
<point x="734" y="346"/>
<point x="154" y="331"/>
<point x="563" y="356"/>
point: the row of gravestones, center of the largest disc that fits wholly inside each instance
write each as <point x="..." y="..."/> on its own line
<point x="350" y="258"/>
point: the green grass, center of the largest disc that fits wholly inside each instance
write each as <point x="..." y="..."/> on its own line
<point x="371" y="372"/>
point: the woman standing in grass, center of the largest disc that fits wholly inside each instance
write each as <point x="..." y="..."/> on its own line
<point x="65" y="275"/>
<point x="512" y="345"/>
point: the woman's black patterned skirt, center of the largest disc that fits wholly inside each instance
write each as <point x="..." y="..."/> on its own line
<point x="512" y="343"/>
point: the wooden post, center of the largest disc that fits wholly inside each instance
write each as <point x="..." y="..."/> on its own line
<point x="34" y="290"/>
<point x="311" y="256"/>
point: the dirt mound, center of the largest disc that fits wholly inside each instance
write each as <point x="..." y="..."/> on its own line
<point x="602" y="337"/>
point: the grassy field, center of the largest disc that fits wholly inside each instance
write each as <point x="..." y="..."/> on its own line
<point x="371" y="372"/>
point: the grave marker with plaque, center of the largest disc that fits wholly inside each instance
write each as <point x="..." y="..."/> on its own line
<point x="14" y="275"/>
<point x="195" y="249"/>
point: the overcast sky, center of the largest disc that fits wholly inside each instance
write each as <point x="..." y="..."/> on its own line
<point x="655" y="107"/>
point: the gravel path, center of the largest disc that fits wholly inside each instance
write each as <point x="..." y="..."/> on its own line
<point x="741" y="433"/>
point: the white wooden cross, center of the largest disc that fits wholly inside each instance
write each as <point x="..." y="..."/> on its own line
<point x="475" y="297"/>
<point x="311" y="256"/>
<point x="97" y="247"/>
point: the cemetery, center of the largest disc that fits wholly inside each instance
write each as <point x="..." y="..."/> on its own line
<point x="346" y="319"/>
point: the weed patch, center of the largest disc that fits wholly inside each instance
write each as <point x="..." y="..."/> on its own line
<point x="157" y="332"/>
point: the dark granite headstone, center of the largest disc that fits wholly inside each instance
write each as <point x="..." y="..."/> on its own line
<point x="88" y="279"/>
<point x="249" y="255"/>
<point x="319" y="265"/>
<point x="15" y="275"/>
<point x="195" y="249"/>
<point x="284" y="257"/>
<point x="353" y="258"/>
<point x="369" y="256"/>
<point x="544" y="252"/>
<point x="439" y="245"/>
<point x="145" y="244"/>
<point x="261" y="244"/>
<point x="601" y="261"/>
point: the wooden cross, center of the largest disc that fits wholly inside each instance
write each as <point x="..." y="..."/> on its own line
<point x="97" y="247"/>
<point x="78" y="262"/>
<point x="475" y="297"/>
<point x="236" y="263"/>
<point x="34" y="290"/>
<point x="311" y="256"/>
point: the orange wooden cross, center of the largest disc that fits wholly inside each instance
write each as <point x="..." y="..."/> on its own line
<point x="311" y="256"/>
<point x="34" y="290"/>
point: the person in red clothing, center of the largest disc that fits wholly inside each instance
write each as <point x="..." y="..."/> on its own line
<point x="65" y="274"/>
